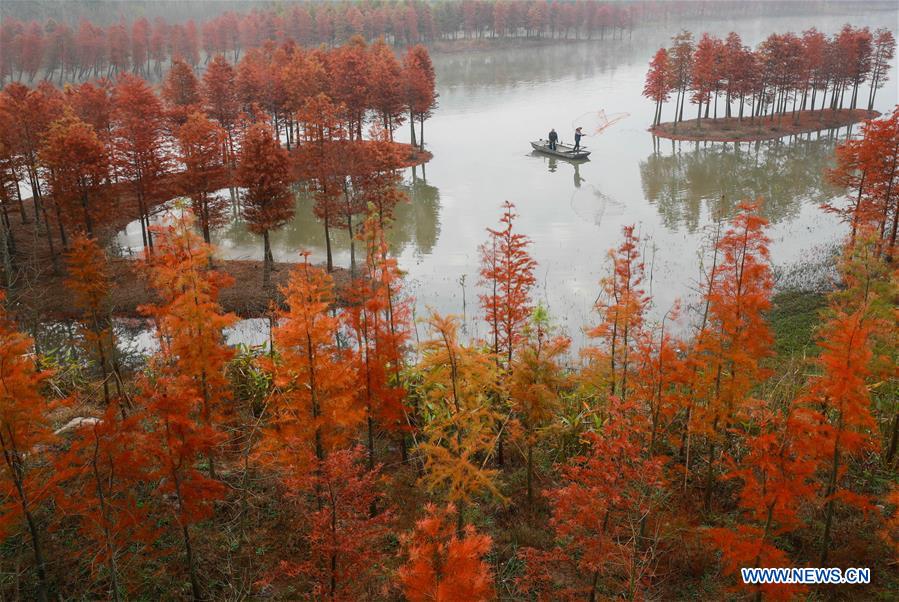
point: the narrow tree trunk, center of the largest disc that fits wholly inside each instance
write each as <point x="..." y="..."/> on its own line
<point x="266" y="260"/>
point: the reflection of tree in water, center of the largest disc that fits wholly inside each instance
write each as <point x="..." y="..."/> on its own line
<point x="784" y="172"/>
<point x="415" y="222"/>
<point x="418" y="220"/>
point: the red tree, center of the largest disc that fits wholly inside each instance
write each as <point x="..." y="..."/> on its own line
<point x="444" y="565"/>
<point x="78" y="166"/>
<point x="25" y="425"/>
<point x="658" y="82"/>
<point x="265" y="173"/>
<point x="200" y="143"/>
<point x="139" y="145"/>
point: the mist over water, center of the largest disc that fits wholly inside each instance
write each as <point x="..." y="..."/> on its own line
<point x="493" y="102"/>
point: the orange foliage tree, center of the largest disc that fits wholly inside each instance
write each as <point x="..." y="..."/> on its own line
<point x="174" y="442"/>
<point x="375" y="324"/>
<point x="219" y="96"/>
<point x="507" y="272"/>
<point x="777" y="474"/>
<point x="841" y="396"/>
<point x="24" y="429"/>
<point x="728" y="353"/>
<point x="189" y="320"/>
<point x="621" y="306"/>
<point x="445" y="564"/>
<point x="419" y="80"/>
<point x="312" y="408"/>
<point x="138" y="142"/>
<point x="536" y="381"/>
<point x="323" y="132"/>
<point x="458" y="420"/>
<point x="869" y="167"/>
<point x="180" y="91"/>
<point x="347" y="544"/>
<point x="101" y="473"/>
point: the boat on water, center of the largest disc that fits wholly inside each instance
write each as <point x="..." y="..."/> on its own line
<point x="562" y="150"/>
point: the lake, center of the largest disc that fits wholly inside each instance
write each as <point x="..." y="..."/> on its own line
<point x="492" y="103"/>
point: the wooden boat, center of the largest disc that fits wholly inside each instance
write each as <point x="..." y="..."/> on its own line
<point x="562" y="150"/>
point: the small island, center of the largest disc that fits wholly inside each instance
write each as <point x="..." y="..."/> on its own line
<point x="734" y="129"/>
<point x="789" y="84"/>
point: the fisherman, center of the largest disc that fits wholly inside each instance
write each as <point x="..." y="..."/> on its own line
<point x="553" y="137"/>
<point x="577" y="139"/>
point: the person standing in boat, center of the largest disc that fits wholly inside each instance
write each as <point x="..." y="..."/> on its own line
<point x="578" y="134"/>
<point x="553" y="138"/>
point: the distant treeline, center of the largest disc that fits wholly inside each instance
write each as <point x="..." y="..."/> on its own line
<point x="77" y="40"/>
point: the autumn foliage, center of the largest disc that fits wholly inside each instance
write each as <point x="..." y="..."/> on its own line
<point x="358" y="451"/>
<point x="444" y="564"/>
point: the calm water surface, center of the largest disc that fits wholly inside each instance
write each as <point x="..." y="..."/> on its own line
<point x="493" y="102"/>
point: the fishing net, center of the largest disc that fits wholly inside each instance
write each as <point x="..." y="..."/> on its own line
<point x="596" y="122"/>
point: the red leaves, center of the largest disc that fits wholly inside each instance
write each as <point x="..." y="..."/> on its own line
<point x="264" y="172"/>
<point x="78" y="164"/>
<point x="869" y="168"/>
<point x="200" y="142"/>
<point x="443" y="565"/>
<point x="24" y="418"/>
<point x="658" y="84"/>
<point x="507" y="271"/>
<point x="596" y="513"/>
<point x="347" y="540"/>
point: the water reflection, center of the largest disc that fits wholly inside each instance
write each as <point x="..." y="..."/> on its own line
<point x="416" y="226"/>
<point x="690" y="180"/>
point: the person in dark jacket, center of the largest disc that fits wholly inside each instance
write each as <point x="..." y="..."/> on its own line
<point x="578" y="134"/>
<point x="553" y="138"/>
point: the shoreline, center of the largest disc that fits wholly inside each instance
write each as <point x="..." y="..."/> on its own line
<point x="38" y="290"/>
<point x="732" y="129"/>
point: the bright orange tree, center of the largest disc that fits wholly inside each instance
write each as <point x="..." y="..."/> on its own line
<point x="843" y="400"/>
<point x="24" y="429"/>
<point x="347" y="544"/>
<point x="445" y="564"/>
<point x="313" y="408"/>
<point x="101" y="472"/>
<point x="173" y="444"/>
<point x="728" y="356"/>
<point x="621" y="307"/>
<point x="507" y="273"/>
<point x="777" y="475"/>
<point x="377" y="317"/>
<point x="536" y="382"/>
<point x="189" y="319"/>
<point x="869" y="167"/>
